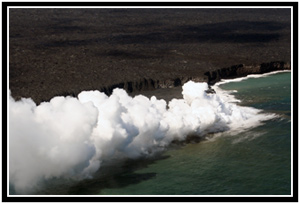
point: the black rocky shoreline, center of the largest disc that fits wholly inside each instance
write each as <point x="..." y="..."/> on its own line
<point x="210" y="77"/>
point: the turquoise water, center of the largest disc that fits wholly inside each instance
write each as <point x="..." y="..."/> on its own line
<point x="255" y="162"/>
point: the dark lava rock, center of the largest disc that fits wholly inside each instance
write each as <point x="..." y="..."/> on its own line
<point x="210" y="90"/>
<point x="65" y="51"/>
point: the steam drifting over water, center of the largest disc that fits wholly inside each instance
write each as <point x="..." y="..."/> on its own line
<point x="70" y="137"/>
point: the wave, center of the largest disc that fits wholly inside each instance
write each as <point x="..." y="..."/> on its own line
<point x="224" y="81"/>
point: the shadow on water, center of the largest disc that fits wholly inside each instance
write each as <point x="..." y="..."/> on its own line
<point x="116" y="174"/>
<point x="112" y="174"/>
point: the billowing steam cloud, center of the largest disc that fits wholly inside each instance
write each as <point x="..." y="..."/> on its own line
<point x="70" y="137"/>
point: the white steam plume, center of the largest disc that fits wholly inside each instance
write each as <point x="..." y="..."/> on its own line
<point x="70" y="137"/>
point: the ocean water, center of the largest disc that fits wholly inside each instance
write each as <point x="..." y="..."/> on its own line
<point x="254" y="162"/>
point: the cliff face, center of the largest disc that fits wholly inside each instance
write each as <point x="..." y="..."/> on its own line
<point x="210" y="77"/>
<point x="242" y="70"/>
<point x="147" y="84"/>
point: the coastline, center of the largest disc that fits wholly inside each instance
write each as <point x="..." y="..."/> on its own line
<point x="224" y="81"/>
<point x="231" y="98"/>
<point x="210" y="77"/>
<point x="175" y="92"/>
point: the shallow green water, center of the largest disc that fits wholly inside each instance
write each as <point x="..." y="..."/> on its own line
<point x="271" y="93"/>
<point x="256" y="162"/>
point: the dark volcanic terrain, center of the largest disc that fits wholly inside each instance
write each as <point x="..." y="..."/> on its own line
<point x="65" y="51"/>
